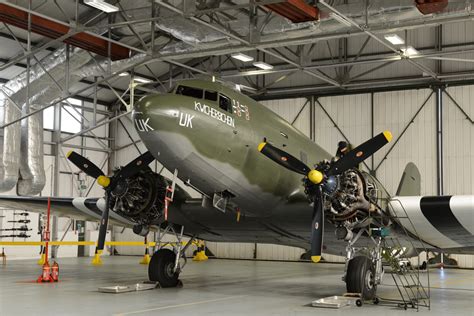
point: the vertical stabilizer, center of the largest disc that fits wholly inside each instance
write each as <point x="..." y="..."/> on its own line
<point x="410" y="184"/>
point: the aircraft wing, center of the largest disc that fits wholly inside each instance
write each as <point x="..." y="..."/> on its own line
<point x="88" y="209"/>
<point x="445" y="222"/>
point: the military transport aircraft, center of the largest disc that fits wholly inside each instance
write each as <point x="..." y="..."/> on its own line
<point x="261" y="181"/>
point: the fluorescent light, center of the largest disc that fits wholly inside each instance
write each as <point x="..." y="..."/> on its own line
<point x="101" y="5"/>
<point x="123" y="74"/>
<point x="340" y="19"/>
<point x="242" y="57"/>
<point x="262" y="65"/>
<point x="409" y="51"/>
<point x="142" y="80"/>
<point x="394" y="39"/>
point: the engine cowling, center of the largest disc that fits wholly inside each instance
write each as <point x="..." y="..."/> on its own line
<point x="140" y="198"/>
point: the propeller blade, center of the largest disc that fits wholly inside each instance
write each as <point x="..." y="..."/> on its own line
<point x="104" y="221"/>
<point x="317" y="228"/>
<point x="283" y="158"/>
<point x="134" y="167"/>
<point x="360" y="153"/>
<point x="84" y="164"/>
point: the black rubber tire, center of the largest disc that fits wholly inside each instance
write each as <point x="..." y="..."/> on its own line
<point x="161" y="267"/>
<point x="360" y="277"/>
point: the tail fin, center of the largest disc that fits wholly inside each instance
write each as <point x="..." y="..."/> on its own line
<point x="410" y="184"/>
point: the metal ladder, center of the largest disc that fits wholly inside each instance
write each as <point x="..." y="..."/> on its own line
<point x="412" y="284"/>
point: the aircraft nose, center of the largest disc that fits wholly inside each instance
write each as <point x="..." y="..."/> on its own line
<point x="153" y="112"/>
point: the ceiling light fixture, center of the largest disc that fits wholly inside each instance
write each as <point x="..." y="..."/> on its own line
<point x="102" y="5"/>
<point x="409" y="51"/>
<point x="124" y="74"/>
<point x="141" y="80"/>
<point x="394" y="39"/>
<point x="242" y="57"/>
<point x="262" y="65"/>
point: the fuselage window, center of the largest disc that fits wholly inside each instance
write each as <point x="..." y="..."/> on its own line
<point x="224" y="103"/>
<point x="190" y="92"/>
<point x="210" y="95"/>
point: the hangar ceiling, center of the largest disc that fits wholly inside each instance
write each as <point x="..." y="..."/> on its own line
<point x="343" y="49"/>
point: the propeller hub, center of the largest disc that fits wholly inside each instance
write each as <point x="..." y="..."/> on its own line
<point x="103" y="181"/>
<point x="315" y="176"/>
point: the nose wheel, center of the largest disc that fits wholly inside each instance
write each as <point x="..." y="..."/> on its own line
<point x="360" y="277"/>
<point x="161" y="268"/>
<point x="165" y="265"/>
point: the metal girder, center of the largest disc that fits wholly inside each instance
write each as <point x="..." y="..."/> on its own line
<point x="246" y="42"/>
<point x="375" y="37"/>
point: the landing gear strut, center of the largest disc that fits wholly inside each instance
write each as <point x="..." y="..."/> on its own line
<point x="165" y="265"/>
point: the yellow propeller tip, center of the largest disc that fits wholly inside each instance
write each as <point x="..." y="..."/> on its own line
<point x="98" y="252"/>
<point x="69" y="153"/>
<point x="260" y="146"/>
<point x="103" y="181"/>
<point x="315" y="259"/>
<point x="315" y="176"/>
<point x="388" y="135"/>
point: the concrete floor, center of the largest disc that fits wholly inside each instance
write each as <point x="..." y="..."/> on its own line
<point x="214" y="287"/>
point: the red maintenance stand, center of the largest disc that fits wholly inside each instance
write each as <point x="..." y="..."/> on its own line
<point x="46" y="275"/>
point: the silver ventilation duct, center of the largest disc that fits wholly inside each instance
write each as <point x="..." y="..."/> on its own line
<point x="9" y="147"/>
<point x="32" y="175"/>
<point x="22" y="152"/>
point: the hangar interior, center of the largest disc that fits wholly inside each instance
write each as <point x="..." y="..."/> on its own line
<point x="337" y="74"/>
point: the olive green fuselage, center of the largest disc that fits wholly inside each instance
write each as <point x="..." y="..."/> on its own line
<point x="216" y="150"/>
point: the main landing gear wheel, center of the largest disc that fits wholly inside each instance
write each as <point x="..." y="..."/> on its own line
<point x="360" y="277"/>
<point x="161" y="268"/>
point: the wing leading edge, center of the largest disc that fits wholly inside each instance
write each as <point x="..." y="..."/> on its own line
<point x="89" y="209"/>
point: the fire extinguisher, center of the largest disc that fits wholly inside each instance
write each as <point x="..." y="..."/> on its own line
<point x="55" y="272"/>
<point x="45" y="275"/>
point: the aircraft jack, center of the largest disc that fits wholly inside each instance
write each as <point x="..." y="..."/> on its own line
<point x="97" y="260"/>
<point x="146" y="257"/>
<point x="201" y="253"/>
<point x="42" y="259"/>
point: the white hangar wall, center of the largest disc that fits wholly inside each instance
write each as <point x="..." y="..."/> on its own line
<point x="409" y="114"/>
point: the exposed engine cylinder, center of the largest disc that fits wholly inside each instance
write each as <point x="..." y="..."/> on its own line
<point x="141" y="198"/>
<point x="349" y="199"/>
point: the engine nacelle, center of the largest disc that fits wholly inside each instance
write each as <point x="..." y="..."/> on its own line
<point x="140" y="198"/>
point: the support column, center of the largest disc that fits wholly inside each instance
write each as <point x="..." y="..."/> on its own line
<point x="312" y="127"/>
<point x="113" y="133"/>
<point x="57" y="167"/>
<point x="439" y="140"/>
<point x="372" y="134"/>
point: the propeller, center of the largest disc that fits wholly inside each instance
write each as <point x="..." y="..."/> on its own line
<point x="324" y="179"/>
<point x="108" y="183"/>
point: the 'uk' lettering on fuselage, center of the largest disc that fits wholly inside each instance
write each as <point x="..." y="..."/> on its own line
<point x="186" y="120"/>
<point x="142" y="125"/>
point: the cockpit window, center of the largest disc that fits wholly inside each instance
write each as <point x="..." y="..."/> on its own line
<point x="210" y="95"/>
<point x="224" y="103"/>
<point x="190" y="92"/>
